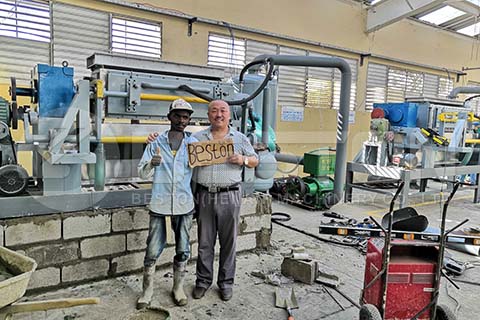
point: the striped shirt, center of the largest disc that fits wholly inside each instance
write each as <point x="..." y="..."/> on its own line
<point x="224" y="174"/>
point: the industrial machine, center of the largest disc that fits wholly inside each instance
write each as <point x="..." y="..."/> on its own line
<point x="415" y="141"/>
<point x="311" y="192"/>
<point x="85" y="138"/>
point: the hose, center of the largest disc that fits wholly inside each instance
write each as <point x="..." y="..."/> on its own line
<point x="279" y="217"/>
<point x="259" y="90"/>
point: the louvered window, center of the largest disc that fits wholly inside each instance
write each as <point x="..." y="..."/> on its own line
<point x="445" y="85"/>
<point x="377" y="78"/>
<point x="25" y="20"/>
<point x="136" y="37"/>
<point x="291" y="81"/>
<point x="319" y="88"/>
<point x="256" y="48"/>
<point x="388" y="84"/>
<point x="77" y="34"/>
<point x="226" y="52"/>
<point x="353" y="88"/>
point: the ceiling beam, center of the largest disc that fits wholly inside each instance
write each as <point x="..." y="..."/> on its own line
<point x="465" y="6"/>
<point x="391" y="11"/>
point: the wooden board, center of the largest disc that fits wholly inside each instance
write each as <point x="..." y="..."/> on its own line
<point x="210" y="152"/>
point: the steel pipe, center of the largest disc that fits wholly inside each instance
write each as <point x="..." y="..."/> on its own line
<point x="456" y="91"/>
<point x="164" y="97"/>
<point x="343" y="114"/>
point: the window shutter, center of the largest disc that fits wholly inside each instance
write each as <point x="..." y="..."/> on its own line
<point x="77" y="34"/>
<point x="430" y="85"/>
<point x="319" y="86"/>
<point x="136" y="37"/>
<point x="337" y="84"/>
<point x="226" y="52"/>
<point x="377" y="78"/>
<point x="24" y="43"/>
<point x="445" y="85"/>
<point x="291" y="81"/>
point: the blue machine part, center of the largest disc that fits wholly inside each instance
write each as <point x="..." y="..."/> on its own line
<point x="400" y="114"/>
<point x="55" y="90"/>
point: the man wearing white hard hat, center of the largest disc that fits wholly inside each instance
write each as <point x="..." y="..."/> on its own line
<point x="166" y="161"/>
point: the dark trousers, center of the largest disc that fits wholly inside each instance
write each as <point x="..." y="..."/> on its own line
<point x="218" y="213"/>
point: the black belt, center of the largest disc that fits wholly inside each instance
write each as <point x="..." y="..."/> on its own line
<point x="214" y="189"/>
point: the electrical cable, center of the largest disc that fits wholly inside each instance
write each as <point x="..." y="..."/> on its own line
<point x="279" y="217"/>
<point x="457" y="303"/>
<point x="259" y="90"/>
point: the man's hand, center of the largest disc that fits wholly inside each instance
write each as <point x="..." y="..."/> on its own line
<point x="236" y="159"/>
<point x="156" y="159"/>
<point x="151" y="137"/>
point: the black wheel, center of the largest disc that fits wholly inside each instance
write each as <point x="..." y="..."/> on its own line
<point x="444" y="313"/>
<point x="369" y="312"/>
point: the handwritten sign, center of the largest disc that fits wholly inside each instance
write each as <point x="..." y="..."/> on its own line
<point x="209" y="152"/>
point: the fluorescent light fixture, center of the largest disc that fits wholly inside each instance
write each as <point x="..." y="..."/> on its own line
<point x="442" y="15"/>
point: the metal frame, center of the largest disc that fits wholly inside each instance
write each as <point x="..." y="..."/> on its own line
<point x="32" y="205"/>
<point x="400" y="174"/>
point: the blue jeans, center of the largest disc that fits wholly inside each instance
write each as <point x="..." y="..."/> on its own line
<point x="157" y="238"/>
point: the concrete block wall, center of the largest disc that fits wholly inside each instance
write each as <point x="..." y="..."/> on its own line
<point x="73" y="248"/>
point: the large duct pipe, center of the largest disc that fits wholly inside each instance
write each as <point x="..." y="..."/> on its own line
<point x="456" y="91"/>
<point x="343" y="114"/>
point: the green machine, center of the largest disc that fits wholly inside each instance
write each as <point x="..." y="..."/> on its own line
<point x="313" y="191"/>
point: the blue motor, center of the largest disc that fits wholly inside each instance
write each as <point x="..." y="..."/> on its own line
<point x="399" y="114"/>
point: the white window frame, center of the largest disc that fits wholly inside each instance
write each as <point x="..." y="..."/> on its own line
<point x="135" y="36"/>
<point x="226" y="52"/>
<point x="25" y="19"/>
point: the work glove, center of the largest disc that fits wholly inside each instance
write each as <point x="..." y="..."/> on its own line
<point x="156" y="159"/>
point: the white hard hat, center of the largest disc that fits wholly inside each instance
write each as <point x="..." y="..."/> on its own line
<point x="180" y="104"/>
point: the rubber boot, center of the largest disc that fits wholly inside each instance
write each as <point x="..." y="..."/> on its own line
<point x="147" y="293"/>
<point x="179" y="274"/>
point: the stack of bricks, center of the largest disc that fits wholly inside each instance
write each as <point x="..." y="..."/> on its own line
<point x="72" y="248"/>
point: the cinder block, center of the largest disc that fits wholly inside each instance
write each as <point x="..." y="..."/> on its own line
<point x="300" y="270"/>
<point x="254" y="223"/>
<point x="129" y="262"/>
<point x="137" y="240"/>
<point x="246" y="242"/>
<point x="102" y="246"/>
<point x="53" y="254"/>
<point x="264" y="203"/>
<point x="31" y="230"/>
<point x="86" y="225"/>
<point x="249" y="205"/>
<point x="42" y="278"/>
<point x="263" y="238"/>
<point x="86" y="270"/>
<point x="130" y="219"/>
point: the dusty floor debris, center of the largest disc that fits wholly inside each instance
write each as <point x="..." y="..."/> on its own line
<point x="254" y="297"/>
